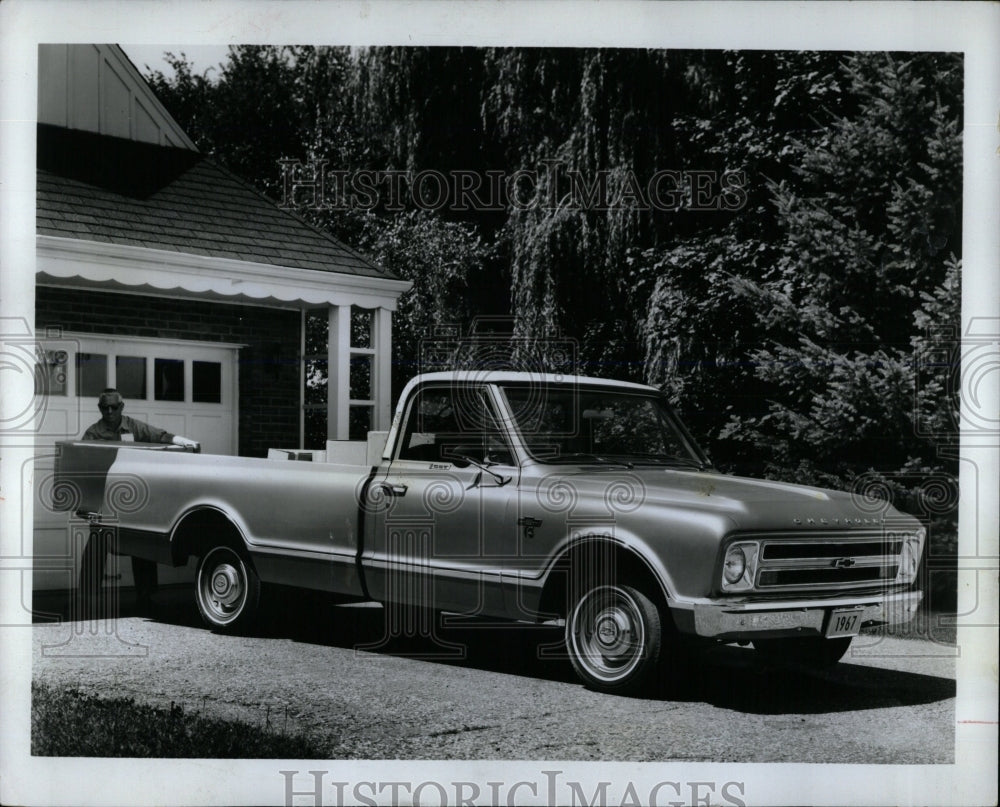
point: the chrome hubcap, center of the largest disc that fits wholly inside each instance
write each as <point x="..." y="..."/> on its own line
<point x="222" y="588"/>
<point x="606" y="633"/>
<point x="226" y="588"/>
<point x="613" y="632"/>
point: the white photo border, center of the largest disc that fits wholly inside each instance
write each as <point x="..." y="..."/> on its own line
<point x="970" y="28"/>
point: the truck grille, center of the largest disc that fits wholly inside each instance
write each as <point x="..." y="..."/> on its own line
<point x="833" y="562"/>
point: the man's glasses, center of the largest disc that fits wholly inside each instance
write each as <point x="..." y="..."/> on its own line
<point x="109" y="407"/>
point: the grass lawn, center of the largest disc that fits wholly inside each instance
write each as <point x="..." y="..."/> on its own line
<point x="72" y="723"/>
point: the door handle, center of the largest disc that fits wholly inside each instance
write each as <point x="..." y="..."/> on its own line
<point x="393" y="490"/>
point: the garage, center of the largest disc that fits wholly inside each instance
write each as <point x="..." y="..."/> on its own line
<point x="162" y="274"/>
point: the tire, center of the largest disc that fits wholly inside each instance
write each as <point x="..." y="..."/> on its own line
<point x="614" y="636"/>
<point x="804" y="651"/>
<point x="227" y="590"/>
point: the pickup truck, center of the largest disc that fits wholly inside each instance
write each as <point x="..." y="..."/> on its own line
<point x="527" y="497"/>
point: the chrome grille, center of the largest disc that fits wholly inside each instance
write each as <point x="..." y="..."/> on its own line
<point x="835" y="561"/>
<point x="830" y="549"/>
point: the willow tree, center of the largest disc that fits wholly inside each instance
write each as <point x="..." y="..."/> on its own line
<point x="575" y="136"/>
<point x="592" y="127"/>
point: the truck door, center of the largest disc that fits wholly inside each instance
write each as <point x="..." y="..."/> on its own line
<point x="440" y="513"/>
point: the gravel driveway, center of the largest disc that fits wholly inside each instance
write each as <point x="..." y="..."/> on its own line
<point x="502" y="692"/>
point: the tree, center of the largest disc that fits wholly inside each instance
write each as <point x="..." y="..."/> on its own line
<point x="269" y="103"/>
<point x="803" y="340"/>
<point x="438" y="257"/>
<point x="264" y="104"/>
<point x="790" y="324"/>
<point x="870" y="222"/>
<point x="592" y="126"/>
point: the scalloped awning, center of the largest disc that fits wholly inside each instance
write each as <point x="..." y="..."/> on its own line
<point x="120" y="267"/>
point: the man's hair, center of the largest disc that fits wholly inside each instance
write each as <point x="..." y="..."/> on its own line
<point x="111" y="392"/>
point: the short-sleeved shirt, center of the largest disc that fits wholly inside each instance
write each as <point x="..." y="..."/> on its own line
<point x="129" y="430"/>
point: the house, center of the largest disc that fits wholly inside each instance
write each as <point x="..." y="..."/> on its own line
<point x="163" y="274"/>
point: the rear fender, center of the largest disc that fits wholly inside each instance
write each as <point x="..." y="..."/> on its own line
<point x="203" y="526"/>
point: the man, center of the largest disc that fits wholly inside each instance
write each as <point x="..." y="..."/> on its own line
<point x="115" y="425"/>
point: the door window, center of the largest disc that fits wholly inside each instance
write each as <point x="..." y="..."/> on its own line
<point x="446" y="422"/>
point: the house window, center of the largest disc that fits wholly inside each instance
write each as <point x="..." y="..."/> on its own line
<point x="362" y="377"/>
<point x="362" y="320"/>
<point x="360" y="392"/>
<point x="359" y="422"/>
<point x="317" y="374"/>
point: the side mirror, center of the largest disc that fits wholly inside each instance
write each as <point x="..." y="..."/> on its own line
<point x="460" y="455"/>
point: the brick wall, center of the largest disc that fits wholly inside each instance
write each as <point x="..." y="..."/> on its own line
<point x="268" y="365"/>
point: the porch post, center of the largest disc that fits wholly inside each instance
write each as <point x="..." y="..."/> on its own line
<point x="382" y="416"/>
<point x="338" y="367"/>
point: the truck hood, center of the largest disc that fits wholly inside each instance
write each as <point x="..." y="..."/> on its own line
<point x="751" y="504"/>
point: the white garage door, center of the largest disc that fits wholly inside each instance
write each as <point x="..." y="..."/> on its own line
<point x="185" y="387"/>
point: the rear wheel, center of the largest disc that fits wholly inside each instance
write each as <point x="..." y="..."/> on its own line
<point x="806" y="651"/>
<point x="614" y="636"/>
<point x="227" y="590"/>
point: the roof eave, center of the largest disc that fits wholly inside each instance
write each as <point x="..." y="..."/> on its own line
<point x="102" y="264"/>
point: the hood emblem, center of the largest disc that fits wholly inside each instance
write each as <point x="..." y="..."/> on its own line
<point x="847" y="521"/>
<point x="844" y="563"/>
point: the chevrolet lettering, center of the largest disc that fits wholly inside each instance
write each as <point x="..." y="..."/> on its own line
<point x="528" y="497"/>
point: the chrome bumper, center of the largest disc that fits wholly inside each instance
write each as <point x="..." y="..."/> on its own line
<point x="738" y="620"/>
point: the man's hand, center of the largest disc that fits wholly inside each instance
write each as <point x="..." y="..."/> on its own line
<point x="185" y="442"/>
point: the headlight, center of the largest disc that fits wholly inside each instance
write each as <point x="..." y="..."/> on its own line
<point x="739" y="567"/>
<point x="736" y="564"/>
<point x="909" y="557"/>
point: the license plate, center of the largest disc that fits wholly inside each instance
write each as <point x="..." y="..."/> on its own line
<point x="843" y="622"/>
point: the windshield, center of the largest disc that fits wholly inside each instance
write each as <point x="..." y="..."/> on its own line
<point x="568" y="424"/>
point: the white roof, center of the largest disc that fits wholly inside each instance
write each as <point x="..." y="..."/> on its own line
<point x="510" y="376"/>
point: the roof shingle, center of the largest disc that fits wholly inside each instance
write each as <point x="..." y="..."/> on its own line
<point x="99" y="188"/>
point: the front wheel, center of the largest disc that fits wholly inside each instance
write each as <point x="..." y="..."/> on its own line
<point x="614" y="637"/>
<point x="227" y="590"/>
<point x="806" y="651"/>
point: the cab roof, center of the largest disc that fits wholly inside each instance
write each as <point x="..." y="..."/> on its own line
<point x="520" y="377"/>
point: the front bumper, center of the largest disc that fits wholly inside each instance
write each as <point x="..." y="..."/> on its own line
<point x="749" y="619"/>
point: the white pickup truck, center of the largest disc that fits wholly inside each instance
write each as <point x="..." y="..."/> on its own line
<point x="527" y="497"/>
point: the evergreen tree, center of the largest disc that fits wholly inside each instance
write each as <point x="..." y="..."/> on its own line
<point x="869" y="222"/>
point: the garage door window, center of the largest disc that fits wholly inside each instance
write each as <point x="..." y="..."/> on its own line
<point x="171" y="380"/>
<point x="206" y="382"/>
<point x="169" y="383"/>
<point x="91" y="374"/>
<point x="131" y="374"/>
<point x="51" y="372"/>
